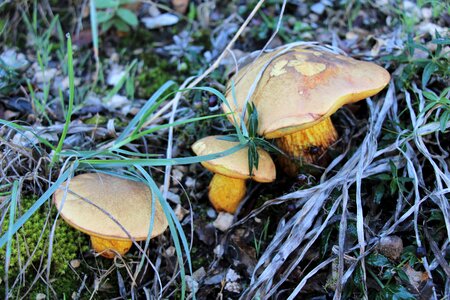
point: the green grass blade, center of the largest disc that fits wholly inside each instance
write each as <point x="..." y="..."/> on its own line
<point x="159" y="161"/>
<point x="224" y="100"/>
<point x="120" y="83"/>
<point x="19" y="223"/>
<point x="94" y="26"/>
<point x="175" y="229"/>
<point x="156" y="128"/>
<point x="132" y="153"/>
<point x="22" y="130"/>
<point x="143" y="111"/>
<point x="71" y="99"/>
<point x="10" y="233"/>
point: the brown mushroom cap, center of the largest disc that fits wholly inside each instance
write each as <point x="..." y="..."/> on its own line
<point x="128" y="202"/>
<point x="302" y="87"/>
<point x="234" y="165"/>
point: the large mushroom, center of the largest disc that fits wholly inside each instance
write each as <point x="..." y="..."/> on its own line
<point x="228" y="185"/>
<point x="96" y="201"/>
<point x="297" y="92"/>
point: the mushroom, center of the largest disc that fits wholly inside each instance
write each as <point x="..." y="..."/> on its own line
<point x="299" y="89"/>
<point x="228" y="187"/>
<point x="96" y="204"/>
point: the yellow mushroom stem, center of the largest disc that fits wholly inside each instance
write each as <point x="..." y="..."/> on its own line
<point x="109" y="248"/>
<point x="306" y="146"/>
<point x="225" y="193"/>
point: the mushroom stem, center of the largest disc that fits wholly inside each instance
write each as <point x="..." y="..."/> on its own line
<point x="306" y="146"/>
<point x="225" y="193"/>
<point x="109" y="248"/>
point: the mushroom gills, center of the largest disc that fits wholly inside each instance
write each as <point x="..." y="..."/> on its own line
<point x="109" y="248"/>
<point x="225" y="193"/>
<point x="307" y="145"/>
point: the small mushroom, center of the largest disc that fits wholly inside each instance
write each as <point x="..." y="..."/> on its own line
<point x="228" y="186"/>
<point x="298" y="92"/>
<point x="92" y="196"/>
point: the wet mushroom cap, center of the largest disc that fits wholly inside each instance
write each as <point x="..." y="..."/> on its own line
<point x="128" y="202"/>
<point x="234" y="165"/>
<point x="302" y="87"/>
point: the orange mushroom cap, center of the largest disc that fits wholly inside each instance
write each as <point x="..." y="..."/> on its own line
<point x="234" y="165"/>
<point x="128" y="202"/>
<point x="302" y="87"/>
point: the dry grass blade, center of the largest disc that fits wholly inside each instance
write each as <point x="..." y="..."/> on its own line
<point x="366" y="161"/>
<point x="292" y="234"/>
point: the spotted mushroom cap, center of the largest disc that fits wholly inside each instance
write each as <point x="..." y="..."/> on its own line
<point x="234" y="165"/>
<point x="128" y="202"/>
<point x="301" y="87"/>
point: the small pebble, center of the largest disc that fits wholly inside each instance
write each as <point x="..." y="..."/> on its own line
<point x="192" y="284"/>
<point x="218" y="250"/>
<point x="233" y="287"/>
<point x="160" y="21"/>
<point x="173" y="197"/>
<point x="40" y="296"/>
<point x="45" y="75"/>
<point x="180" y="212"/>
<point x="232" y="275"/>
<point x="199" y="274"/>
<point x="177" y="176"/>
<point x="427" y="13"/>
<point x="117" y="102"/>
<point x="391" y="246"/>
<point x="115" y="75"/>
<point x="170" y="251"/>
<point x="223" y="221"/>
<point x="318" y="8"/>
<point x="75" y="263"/>
<point x="211" y="213"/>
<point x="189" y="182"/>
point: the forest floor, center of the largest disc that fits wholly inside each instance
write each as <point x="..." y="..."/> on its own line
<point x="126" y="88"/>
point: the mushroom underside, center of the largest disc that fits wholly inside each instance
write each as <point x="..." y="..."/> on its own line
<point x="306" y="145"/>
<point x="109" y="247"/>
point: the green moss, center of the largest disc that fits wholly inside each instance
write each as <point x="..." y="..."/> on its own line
<point x="155" y="72"/>
<point x="31" y="243"/>
<point x="96" y="120"/>
<point x="198" y="259"/>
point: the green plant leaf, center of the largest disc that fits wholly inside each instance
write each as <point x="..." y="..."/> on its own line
<point x="260" y="142"/>
<point x="430" y="95"/>
<point x="379" y="193"/>
<point x="122" y="2"/>
<point x="445" y="117"/>
<point x="128" y="16"/>
<point x="103" y="16"/>
<point x="402" y="275"/>
<point x="397" y="292"/>
<point x="230" y="137"/>
<point x="121" y="25"/>
<point x="429" y="69"/>
<point x="441" y="41"/>
<point x="252" y="120"/>
<point x="378" y="260"/>
<point x="106" y="3"/>
<point x="107" y="25"/>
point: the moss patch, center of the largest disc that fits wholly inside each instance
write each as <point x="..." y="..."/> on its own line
<point x="29" y="252"/>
